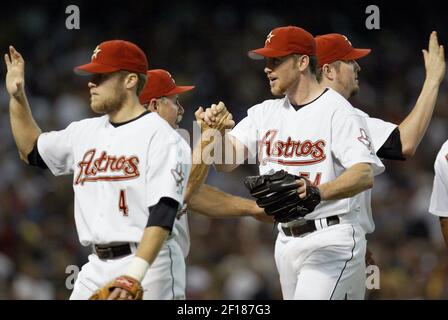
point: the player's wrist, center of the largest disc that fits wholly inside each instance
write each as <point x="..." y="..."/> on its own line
<point x="137" y="268"/>
<point x="19" y="94"/>
<point x="322" y="191"/>
<point x="432" y="81"/>
<point x="255" y="210"/>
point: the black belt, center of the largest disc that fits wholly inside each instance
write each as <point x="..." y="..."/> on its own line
<point x="307" y="226"/>
<point x="111" y="252"/>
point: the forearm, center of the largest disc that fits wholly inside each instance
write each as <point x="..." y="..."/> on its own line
<point x="147" y="251"/>
<point x="199" y="169"/>
<point x="235" y="154"/>
<point x="214" y="203"/>
<point x="151" y="242"/>
<point x="227" y="162"/>
<point x="413" y="128"/>
<point x="24" y="129"/>
<point x="226" y="167"/>
<point x="197" y="177"/>
<point x="354" y="180"/>
<point x="444" y="226"/>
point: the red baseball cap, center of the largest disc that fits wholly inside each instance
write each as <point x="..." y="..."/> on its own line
<point x="160" y="84"/>
<point x="283" y="41"/>
<point x="114" y="55"/>
<point x="334" y="47"/>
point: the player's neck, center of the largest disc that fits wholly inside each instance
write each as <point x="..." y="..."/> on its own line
<point x="130" y="109"/>
<point x="307" y="90"/>
<point x="334" y="86"/>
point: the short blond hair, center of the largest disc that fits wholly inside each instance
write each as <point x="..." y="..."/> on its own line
<point x="142" y="78"/>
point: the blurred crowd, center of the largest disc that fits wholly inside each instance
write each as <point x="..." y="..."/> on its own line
<point x="205" y="44"/>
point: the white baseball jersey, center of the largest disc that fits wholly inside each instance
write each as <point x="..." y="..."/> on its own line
<point x="380" y="131"/>
<point x="439" y="197"/>
<point x="320" y="140"/>
<point x="118" y="172"/>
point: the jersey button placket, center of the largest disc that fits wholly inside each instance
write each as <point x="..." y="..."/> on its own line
<point x="111" y="137"/>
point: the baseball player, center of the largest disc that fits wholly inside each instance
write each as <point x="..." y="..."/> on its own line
<point x="338" y="69"/>
<point x="161" y="95"/>
<point x="316" y="133"/>
<point x="439" y="204"/>
<point x="129" y="168"/>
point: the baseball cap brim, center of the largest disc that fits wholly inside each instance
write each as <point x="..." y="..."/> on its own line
<point x="93" y="67"/>
<point x="146" y="98"/>
<point x="179" y="89"/>
<point x="259" y="54"/>
<point x="356" y="54"/>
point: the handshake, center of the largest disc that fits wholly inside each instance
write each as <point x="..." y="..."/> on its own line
<point x="216" y="117"/>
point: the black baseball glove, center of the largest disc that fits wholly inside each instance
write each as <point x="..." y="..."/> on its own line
<point x="277" y="194"/>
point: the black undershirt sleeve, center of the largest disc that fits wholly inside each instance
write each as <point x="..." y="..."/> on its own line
<point x="392" y="149"/>
<point x="34" y="158"/>
<point x="163" y="213"/>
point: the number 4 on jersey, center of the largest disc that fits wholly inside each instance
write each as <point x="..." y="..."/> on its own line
<point x="122" y="205"/>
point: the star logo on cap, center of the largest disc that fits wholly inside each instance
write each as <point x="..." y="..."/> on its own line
<point x="171" y="77"/>
<point x="347" y="40"/>
<point x="268" y="39"/>
<point x="95" y="52"/>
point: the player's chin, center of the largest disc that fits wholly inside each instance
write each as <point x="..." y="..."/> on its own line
<point x="354" y="91"/>
<point x="277" y="91"/>
<point x="97" y="108"/>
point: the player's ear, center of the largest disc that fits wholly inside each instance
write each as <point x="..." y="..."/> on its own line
<point x="303" y="62"/>
<point x="328" y="72"/>
<point x="131" y="80"/>
<point x="152" y="106"/>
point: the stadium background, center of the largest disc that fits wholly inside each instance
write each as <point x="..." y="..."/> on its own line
<point x="205" y="44"/>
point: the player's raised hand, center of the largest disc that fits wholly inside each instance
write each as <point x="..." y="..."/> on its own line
<point x="210" y="114"/>
<point x="218" y="117"/>
<point x="434" y="59"/>
<point x="213" y="112"/>
<point x="200" y="116"/>
<point x="223" y="116"/>
<point x="229" y="123"/>
<point x="15" y="75"/>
